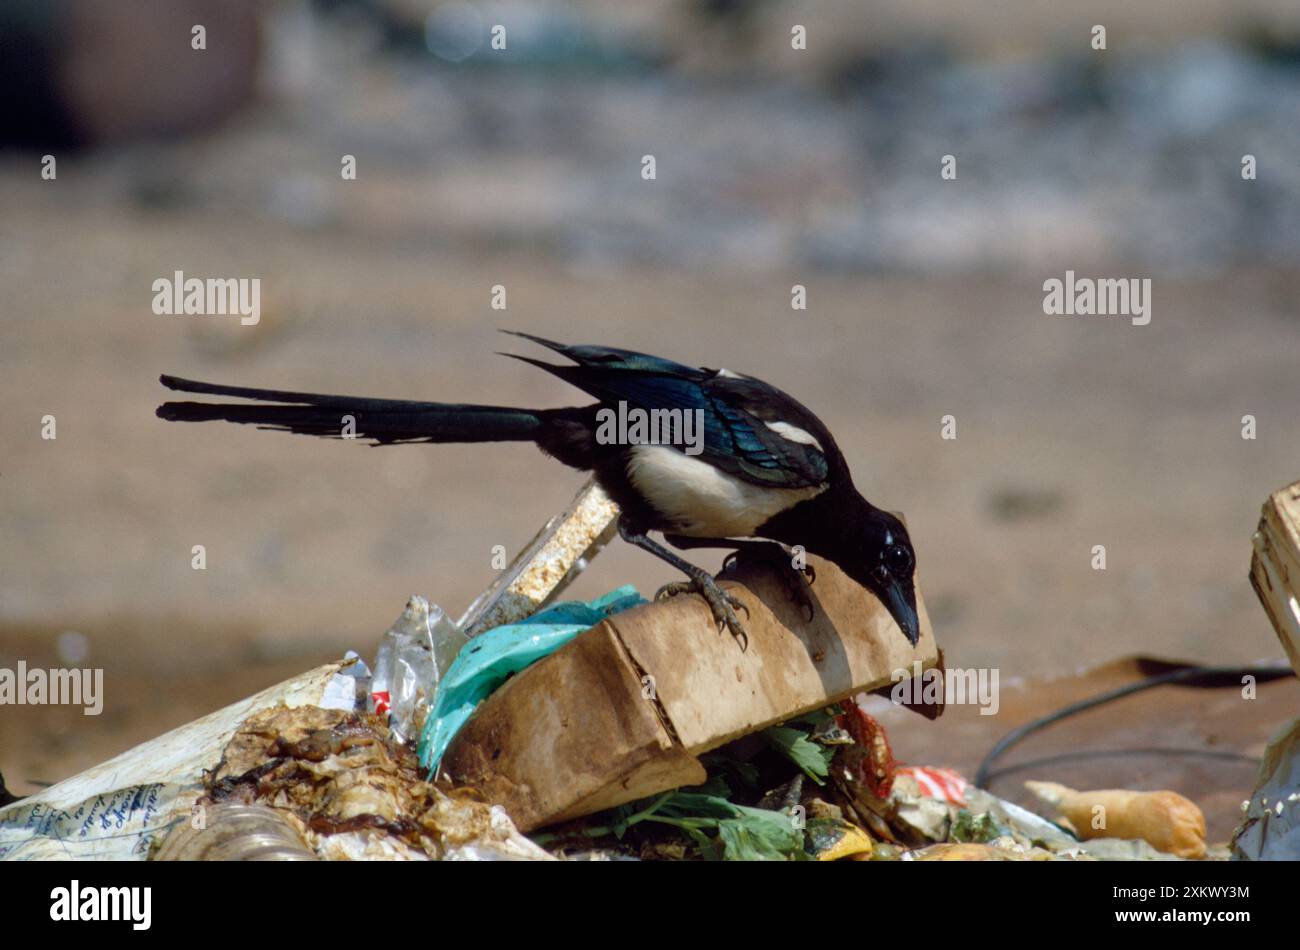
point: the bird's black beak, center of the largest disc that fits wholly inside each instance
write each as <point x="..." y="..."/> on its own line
<point x="898" y="594"/>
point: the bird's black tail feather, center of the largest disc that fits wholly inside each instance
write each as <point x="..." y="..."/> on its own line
<point x="384" y="420"/>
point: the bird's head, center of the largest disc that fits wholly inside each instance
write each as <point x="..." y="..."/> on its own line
<point x="882" y="560"/>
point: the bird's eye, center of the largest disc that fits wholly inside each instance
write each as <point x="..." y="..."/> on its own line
<point x="897" y="559"/>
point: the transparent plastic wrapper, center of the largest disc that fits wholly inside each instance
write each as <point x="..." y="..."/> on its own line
<point x="547" y="564"/>
<point x="1270" y="821"/>
<point x="416" y="652"/>
<point x="413" y="657"/>
<point x="235" y="833"/>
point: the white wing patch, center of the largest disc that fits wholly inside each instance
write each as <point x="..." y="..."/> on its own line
<point x="702" y="501"/>
<point x="794" y="434"/>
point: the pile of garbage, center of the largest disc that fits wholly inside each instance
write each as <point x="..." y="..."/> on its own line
<point x="825" y="786"/>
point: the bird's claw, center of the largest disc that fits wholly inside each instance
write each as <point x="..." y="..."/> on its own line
<point x="722" y="604"/>
<point x="674" y="588"/>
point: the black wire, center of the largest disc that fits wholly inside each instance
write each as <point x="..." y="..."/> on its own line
<point x="1214" y="676"/>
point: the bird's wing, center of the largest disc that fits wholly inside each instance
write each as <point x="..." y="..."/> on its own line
<point x="775" y="431"/>
<point x="612" y="358"/>
<point x="751" y="430"/>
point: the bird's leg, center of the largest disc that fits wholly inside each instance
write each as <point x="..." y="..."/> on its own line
<point x="722" y="604"/>
<point x="797" y="579"/>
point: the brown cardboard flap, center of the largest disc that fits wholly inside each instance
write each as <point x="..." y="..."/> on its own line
<point x="622" y="711"/>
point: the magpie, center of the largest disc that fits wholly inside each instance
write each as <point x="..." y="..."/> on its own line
<point x="765" y="475"/>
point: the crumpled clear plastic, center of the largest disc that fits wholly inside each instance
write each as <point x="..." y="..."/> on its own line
<point x="1270" y="826"/>
<point x="413" y="657"/>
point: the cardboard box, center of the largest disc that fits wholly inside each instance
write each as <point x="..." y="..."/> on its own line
<point x="1275" y="567"/>
<point x="625" y="709"/>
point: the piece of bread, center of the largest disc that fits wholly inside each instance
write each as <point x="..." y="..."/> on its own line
<point x="1165" y="820"/>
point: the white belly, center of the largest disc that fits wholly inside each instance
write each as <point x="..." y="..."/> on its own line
<point x="702" y="501"/>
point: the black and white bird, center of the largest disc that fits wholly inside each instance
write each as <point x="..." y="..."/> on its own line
<point x="764" y="473"/>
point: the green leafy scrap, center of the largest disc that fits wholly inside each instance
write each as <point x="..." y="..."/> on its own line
<point x="979" y="829"/>
<point x="734" y="774"/>
<point x="812" y="757"/>
<point x="742" y="833"/>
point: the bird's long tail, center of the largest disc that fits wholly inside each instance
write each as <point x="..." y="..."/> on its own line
<point x="384" y="420"/>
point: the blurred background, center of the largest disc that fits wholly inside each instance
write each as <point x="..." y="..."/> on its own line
<point x="522" y="167"/>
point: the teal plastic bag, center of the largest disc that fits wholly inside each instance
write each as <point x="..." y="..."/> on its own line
<point x="489" y="659"/>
